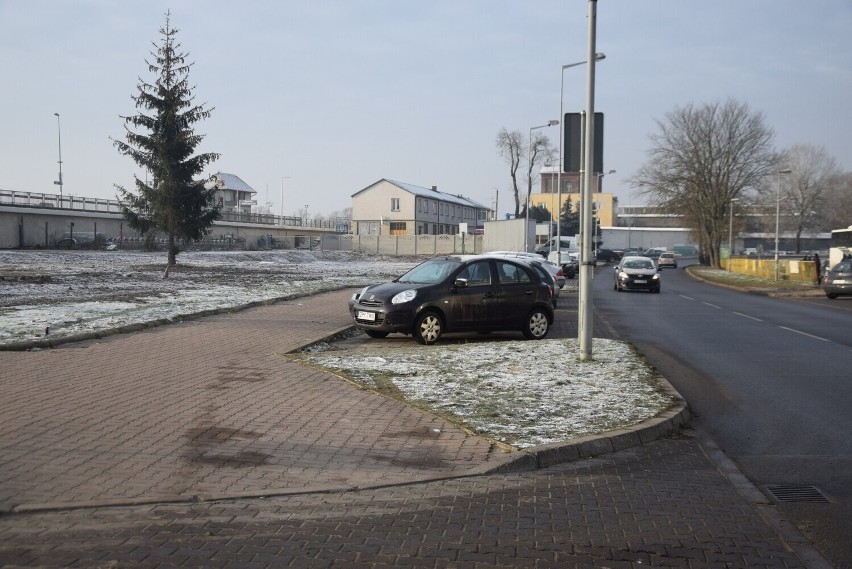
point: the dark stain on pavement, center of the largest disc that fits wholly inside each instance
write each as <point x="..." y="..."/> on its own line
<point x="203" y="440"/>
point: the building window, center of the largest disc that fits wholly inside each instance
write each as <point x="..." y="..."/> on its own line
<point x="394" y="204"/>
<point x="434" y="207"/>
<point x="397" y="228"/>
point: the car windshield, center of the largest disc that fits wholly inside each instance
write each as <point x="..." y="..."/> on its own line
<point x="430" y="272"/>
<point x="842" y="267"/>
<point x="638" y="264"/>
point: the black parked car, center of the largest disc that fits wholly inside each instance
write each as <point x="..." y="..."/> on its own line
<point x="454" y="294"/>
<point x="608" y="256"/>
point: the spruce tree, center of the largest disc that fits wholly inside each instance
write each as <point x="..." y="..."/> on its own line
<point x="173" y="203"/>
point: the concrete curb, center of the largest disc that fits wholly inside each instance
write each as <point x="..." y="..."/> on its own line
<point x="588" y="446"/>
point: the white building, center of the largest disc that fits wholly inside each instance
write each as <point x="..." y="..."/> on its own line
<point x="232" y="194"/>
<point x="396" y="208"/>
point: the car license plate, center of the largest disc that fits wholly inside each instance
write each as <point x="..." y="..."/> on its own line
<point x="366" y="316"/>
<point x="641" y="281"/>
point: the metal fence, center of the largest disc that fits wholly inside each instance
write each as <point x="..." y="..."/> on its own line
<point x="76" y="203"/>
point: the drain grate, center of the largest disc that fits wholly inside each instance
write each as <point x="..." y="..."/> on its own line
<point x="789" y="493"/>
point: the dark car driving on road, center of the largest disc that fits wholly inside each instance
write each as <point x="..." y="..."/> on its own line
<point x="456" y="294"/>
<point x="637" y="273"/>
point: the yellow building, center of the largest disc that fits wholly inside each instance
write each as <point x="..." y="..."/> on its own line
<point x="605" y="205"/>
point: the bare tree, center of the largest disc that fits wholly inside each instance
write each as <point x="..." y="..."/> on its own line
<point x="837" y="203"/>
<point x="510" y="145"/>
<point x="540" y="152"/>
<point x="701" y="159"/>
<point x="813" y="173"/>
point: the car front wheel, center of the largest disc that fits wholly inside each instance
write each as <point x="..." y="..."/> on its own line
<point x="536" y="326"/>
<point x="428" y="328"/>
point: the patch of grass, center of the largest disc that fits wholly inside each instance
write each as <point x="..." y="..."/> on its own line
<point x="746" y="282"/>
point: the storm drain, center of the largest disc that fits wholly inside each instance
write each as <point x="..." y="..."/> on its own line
<point x="794" y="493"/>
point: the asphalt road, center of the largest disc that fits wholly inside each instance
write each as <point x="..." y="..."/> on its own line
<point x="769" y="379"/>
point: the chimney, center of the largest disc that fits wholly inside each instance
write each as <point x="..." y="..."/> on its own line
<point x="434" y="188"/>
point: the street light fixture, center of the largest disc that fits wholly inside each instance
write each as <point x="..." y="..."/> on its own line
<point x="598" y="57"/>
<point x="731" y="234"/>
<point x="777" y="217"/>
<point x="282" y="197"/>
<point x="552" y="122"/>
<point x="59" y="182"/>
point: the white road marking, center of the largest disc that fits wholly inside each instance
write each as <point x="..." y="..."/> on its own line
<point x="804" y="334"/>
<point x="747" y="316"/>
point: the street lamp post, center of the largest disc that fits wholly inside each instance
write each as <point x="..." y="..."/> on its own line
<point x="584" y="296"/>
<point x="59" y="182"/>
<point x="551" y="122"/>
<point x="598" y="57"/>
<point x="282" y="197"/>
<point x="731" y="234"/>
<point x="778" y="217"/>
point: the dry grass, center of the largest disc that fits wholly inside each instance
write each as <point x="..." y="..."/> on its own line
<point x="749" y="282"/>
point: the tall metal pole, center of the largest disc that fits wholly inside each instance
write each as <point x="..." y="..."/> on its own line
<point x="777" y="217"/>
<point x="598" y="57"/>
<point x="584" y="312"/>
<point x="731" y="234"/>
<point x="551" y="122"/>
<point x="282" y="197"/>
<point x="59" y="182"/>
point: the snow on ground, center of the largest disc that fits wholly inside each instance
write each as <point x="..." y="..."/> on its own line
<point x="74" y="292"/>
<point x="524" y="393"/>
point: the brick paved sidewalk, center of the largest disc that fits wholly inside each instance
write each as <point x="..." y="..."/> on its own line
<point x="207" y="408"/>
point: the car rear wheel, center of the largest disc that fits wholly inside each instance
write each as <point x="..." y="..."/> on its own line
<point x="831" y="295"/>
<point x="536" y="326"/>
<point x="428" y="328"/>
<point x="377" y="334"/>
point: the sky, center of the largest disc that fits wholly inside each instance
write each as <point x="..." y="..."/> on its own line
<point x="314" y="100"/>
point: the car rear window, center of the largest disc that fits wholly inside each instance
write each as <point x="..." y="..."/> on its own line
<point x="511" y="273"/>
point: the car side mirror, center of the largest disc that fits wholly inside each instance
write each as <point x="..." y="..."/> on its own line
<point x="460" y="282"/>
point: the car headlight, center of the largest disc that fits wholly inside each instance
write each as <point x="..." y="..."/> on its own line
<point x="357" y="295"/>
<point x="656" y="277"/>
<point x="622" y="275"/>
<point x="404" y="296"/>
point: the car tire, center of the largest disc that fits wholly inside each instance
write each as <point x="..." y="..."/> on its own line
<point x="377" y="334"/>
<point x="428" y="328"/>
<point x="831" y="295"/>
<point x="537" y="325"/>
<point x="656" y="290"/>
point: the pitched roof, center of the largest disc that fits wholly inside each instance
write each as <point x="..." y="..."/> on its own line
<point x="232" y="182"/>
<point x="428" y="193"/>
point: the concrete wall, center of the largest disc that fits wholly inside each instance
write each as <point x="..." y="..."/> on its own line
<point x="32" y="227"/>
<point x="644" y="237"/>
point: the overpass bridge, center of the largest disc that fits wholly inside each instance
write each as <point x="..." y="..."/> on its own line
<point x="30" y="220"/>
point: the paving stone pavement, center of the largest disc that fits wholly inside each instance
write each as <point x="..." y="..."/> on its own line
<point x="201" y="444"/>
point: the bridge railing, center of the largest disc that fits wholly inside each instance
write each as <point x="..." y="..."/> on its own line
<point x="77" y="203"/>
